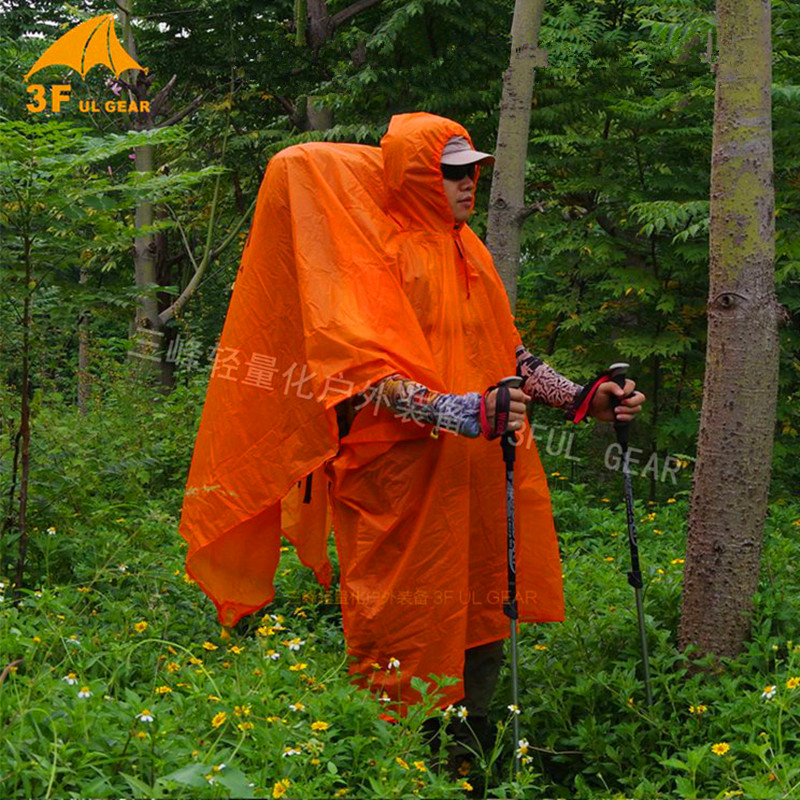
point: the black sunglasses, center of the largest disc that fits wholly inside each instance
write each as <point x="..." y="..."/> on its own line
<point x="457" y="172"/>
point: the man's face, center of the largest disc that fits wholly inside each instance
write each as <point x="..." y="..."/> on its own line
<point x="459" y="194"/>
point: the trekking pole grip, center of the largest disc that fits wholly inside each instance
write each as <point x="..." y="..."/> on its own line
<point x="617" y="373"/>
<point x="502" y="406"/>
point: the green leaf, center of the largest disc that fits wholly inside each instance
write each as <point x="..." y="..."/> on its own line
<point x="235" y="780"/>
<point x="696" y="756"/>
<point x="138" y="787"/>
<point x="685" y="788"/>
<point x="676" y="764"/>
<point x="190" y="775"/>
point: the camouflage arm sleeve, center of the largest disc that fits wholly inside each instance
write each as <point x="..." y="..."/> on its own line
<point x="408" y="400"/>
<point x="543" y="383"/>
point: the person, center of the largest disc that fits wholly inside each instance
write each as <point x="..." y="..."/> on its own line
<point x="363" y="286"/>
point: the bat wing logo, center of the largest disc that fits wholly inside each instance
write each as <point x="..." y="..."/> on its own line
<point x="91" y="43"/>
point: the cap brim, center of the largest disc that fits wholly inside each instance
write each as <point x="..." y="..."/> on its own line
<point x="463" y="157"/>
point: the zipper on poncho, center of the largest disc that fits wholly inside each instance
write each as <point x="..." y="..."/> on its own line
<point x="462" y="258"/>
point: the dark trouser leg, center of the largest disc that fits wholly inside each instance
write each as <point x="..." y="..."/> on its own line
<point x="482" y="666"/>
<point x="481" y="670"/>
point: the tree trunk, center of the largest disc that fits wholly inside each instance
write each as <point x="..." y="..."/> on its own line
<point x="321" y="25"/>
<point x="25" y="424"/>
<point x="149" y="336"/>
<point x="83" y="353"/>
<point x="507" y="200"/>
<point x="734" y="452"/>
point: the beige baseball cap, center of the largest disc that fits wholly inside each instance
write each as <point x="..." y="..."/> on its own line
<point x="458" y="152"/>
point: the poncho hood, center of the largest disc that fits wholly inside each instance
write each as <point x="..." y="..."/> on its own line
<point x="412" y="151"/>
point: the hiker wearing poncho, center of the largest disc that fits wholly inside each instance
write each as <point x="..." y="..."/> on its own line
<point x="366" y="323"/>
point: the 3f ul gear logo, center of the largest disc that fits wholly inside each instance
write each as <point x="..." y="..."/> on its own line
<point x="91" y="43"/>
<point x="88" y="44"/>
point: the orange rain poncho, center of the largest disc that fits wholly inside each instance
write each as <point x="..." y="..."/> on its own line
<point x="354" y="270"/>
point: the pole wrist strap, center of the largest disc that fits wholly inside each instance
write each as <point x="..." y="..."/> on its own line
<point x="580" y="407"/>
<point x="502" y="407"/>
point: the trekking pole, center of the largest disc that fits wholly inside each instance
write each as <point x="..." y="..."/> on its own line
<point x="508" y="444"/>
<point x="617" y="373"/>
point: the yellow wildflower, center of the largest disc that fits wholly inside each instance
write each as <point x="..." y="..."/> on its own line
<point x="173" y="667"/>
<point x="245" y="726"/>
<point x="209" y="646"/>
<point x="298" y="667"/>
<point x="196" y="661"/>
<point x="466" y="786"/>
<point x="609" y="558"/>
<point x="242" y="711"/>
<point x="219" y="719"/>
<point x="141" y="734"/>
<point x="720" y="748"/>
<point x="163" y="689"/>
<point x="402" y="762"/>
<point x="319" y="725"/>
<point x="281" y="787"/>
<point x="341" y="792"/>
<point x="677" y="561"/>
<point x="213" y="698"/>
<point x="670" y="499"/>
<point x="140" y="627"/>
<point x="37" y="640"/>
<point x="420" y="765"/>
<point x="540" y="647"/>
<point x="235" y="649"/>
<point x="84" y="589"/>
<point x="793" y="683"/>
<point x="701" y="709"/>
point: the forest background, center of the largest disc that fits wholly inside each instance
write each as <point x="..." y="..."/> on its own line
<point x="118" y="351"/>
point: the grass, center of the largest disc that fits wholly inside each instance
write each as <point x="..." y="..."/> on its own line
<point x="116" y="681"/>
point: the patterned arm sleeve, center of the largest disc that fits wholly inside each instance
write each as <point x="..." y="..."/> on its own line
<point x="543" y="383"/>
<point x="408" y="400"/>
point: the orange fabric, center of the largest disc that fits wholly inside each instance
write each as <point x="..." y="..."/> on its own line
<point x="354" y="268"/>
